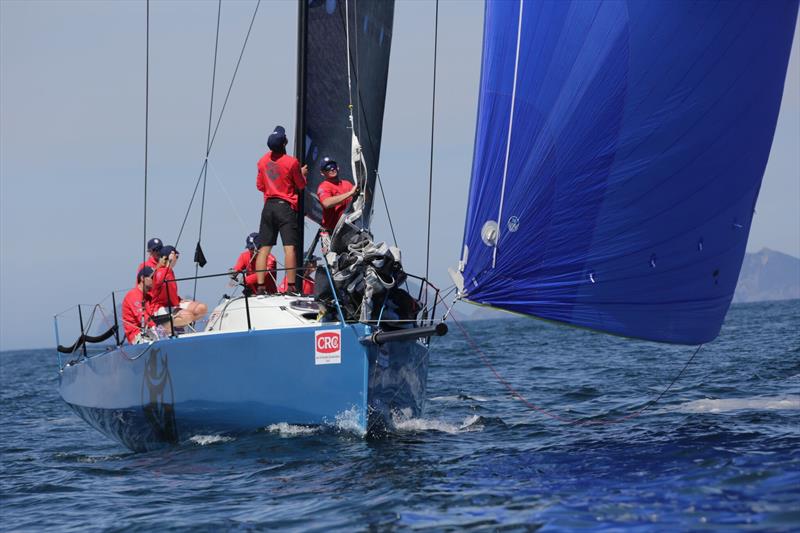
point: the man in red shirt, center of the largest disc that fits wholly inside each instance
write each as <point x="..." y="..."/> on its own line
<point x="153" y="247"/>
<point x="164" y="294"/>
<point x="247" y="264"/>
<point x="334" y="194"/>
<point x="135" y="306"/>
<point x="279" y="177"/>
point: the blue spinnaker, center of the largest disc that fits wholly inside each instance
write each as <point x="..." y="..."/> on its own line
<point x="617" y="192"/>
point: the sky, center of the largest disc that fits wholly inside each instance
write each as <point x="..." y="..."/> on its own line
<point x="72" y="122"/>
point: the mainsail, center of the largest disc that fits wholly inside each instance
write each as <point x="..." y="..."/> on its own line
<point x="326" y="100"/>
<point x="619" y="152"/>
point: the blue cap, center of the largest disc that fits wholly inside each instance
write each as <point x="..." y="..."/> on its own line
<point x="154" y="244"/>
<point x="328" y="164"/>
<point x="277" y="139"/>
<point x="252" y="241"/>
<point x="145" y="272"/>
<point x="166" y="250"/>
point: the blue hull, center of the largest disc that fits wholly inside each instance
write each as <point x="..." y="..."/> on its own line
<point x="147" y="396"/>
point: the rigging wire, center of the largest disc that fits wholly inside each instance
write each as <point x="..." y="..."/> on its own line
<point x="357" y="123"/>
<point x="349" y="83"/>
<point x="386" y="205"/>
<point x="433" y="122"/>
<point x="146" y="129"/>
<point x="208" y="149"/>
<point x="146" y="121"/>
<point x="219" y="120"/>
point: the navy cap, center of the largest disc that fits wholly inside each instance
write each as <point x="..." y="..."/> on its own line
<point x="277" y="139"/>
<point x="145" y="272"/>
<point x="166" y="250"/>
<point x="154" y="244"/>
<point x="328" y="164"/>
<point x="252" y="241"/>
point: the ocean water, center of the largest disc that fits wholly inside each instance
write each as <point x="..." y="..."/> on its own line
<point x="720" y="450"/>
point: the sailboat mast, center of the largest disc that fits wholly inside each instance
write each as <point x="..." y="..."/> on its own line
<point x="300" y="123"/>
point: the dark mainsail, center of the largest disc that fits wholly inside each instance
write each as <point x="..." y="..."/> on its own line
<point x="324" y="96"/>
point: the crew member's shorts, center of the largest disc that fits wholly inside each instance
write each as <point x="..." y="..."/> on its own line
<point x="278" y="216"/>
<point x="161" y="316"/>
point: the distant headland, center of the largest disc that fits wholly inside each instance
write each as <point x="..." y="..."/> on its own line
<point x="768" y="275"/>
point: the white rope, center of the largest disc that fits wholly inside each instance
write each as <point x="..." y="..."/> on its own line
<point x="508" y="140"/>
<point x="349" y="84"/>
<point x="356" y="155"/>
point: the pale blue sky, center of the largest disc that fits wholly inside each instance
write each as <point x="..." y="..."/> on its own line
<point x="71" y="143"/>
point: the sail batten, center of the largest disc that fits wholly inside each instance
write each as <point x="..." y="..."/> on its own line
<point x="641" y="131"/>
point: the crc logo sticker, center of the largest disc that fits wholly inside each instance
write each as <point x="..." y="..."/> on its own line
<point x="328" y="347"/>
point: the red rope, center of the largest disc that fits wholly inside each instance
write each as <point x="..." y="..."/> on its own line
<point x="565" y="420"/>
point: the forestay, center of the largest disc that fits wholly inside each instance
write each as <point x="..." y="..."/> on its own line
<point x="327" y="130"/>
<point x="617" y="193"/>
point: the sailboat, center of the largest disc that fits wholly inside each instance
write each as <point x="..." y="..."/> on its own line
<point x="354" y="357"/>
<point x="619" y="151"/>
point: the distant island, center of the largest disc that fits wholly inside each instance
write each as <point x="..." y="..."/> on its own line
<point x="768" y="275"/>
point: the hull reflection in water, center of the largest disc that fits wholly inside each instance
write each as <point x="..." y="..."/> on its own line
<point x="151" y="395"/>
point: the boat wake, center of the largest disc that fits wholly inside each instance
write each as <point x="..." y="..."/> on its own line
<point x="345" y="421"/>
<point x="291" y="430"/>
<point x="205" y="440"/>
<point x="727" y="405"/>
<point x="471" y="423"/>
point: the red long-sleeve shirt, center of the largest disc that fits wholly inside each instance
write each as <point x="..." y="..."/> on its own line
<point x="327" y="189"/>
<point x="134" y="307"/>
<point x="279" y="176"/>
<point x="163" y="294"/>
<point x="247" y="264"/>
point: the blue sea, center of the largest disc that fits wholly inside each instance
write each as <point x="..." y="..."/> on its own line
<point x="719" y="451"/>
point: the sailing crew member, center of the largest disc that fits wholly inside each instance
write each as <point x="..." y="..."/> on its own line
<point x="279" y="177"/>
<point x="135" y="307"/>
<point x="247" y="263"/>
<point x="334" y="194"/>
<point x="154" y="246"/>
<point x="164" y="293"/>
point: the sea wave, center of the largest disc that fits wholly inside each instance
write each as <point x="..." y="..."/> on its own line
<point x="291" y="430"/>
<point x="725" y="405"/>
<point x="459" y="398"/>
<point x="205" y="440"/>
<point x="415" y="425"/>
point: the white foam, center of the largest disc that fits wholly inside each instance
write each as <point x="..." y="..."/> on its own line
<point x="416" y="425"/>
<point x="349" y="421"/>
<point x="205" y="440"/>
<point x="726" y="405"/>
<point x="290" y="430"/>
